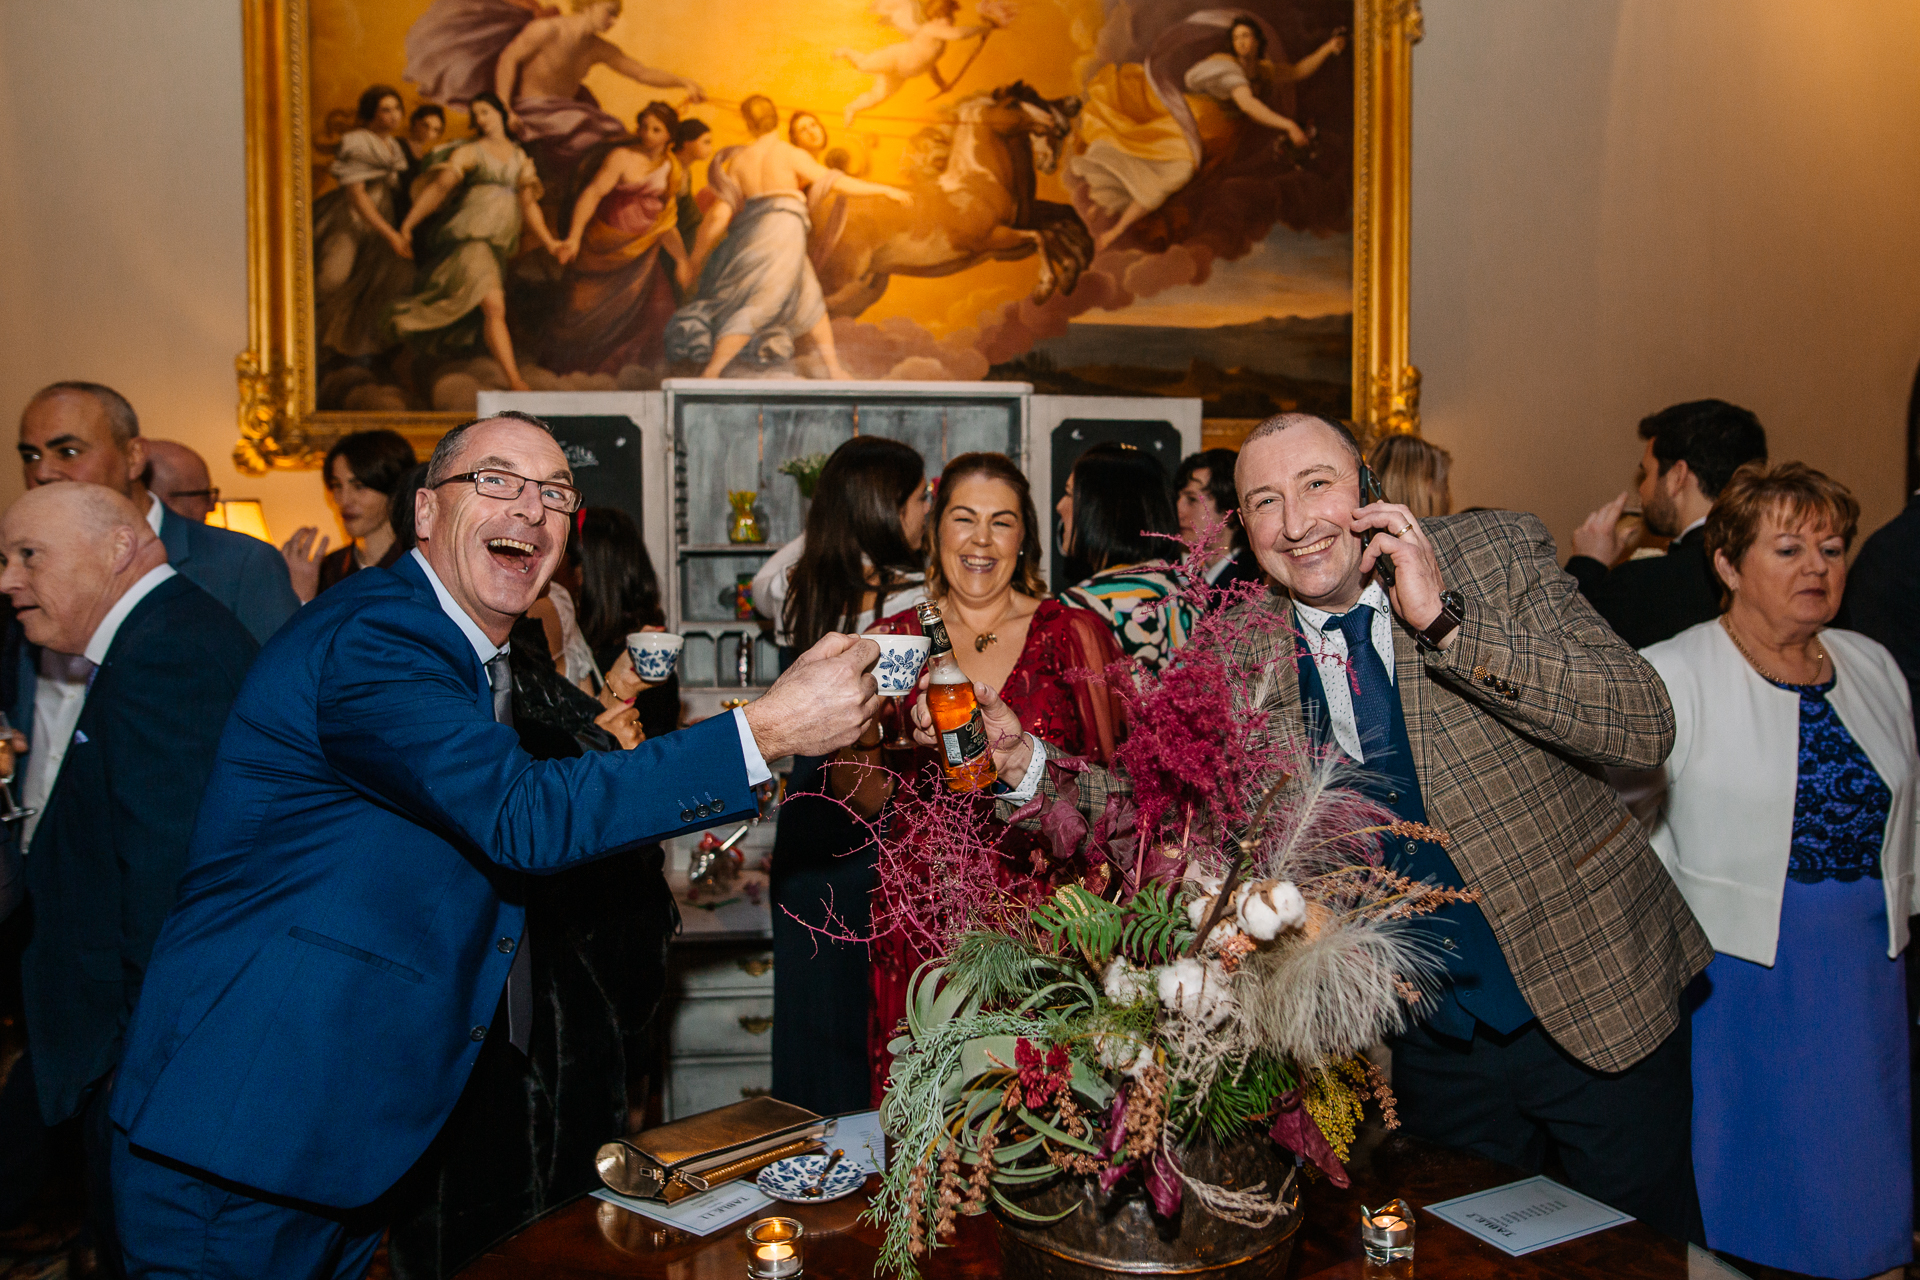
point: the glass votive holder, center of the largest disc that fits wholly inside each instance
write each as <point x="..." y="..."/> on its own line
<point x="1386" y="1233"/>
<point x="775" y="1249"/>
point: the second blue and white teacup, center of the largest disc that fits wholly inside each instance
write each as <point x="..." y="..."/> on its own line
<point x="654" y="653"/>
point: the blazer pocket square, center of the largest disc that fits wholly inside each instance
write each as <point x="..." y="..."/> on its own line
<point x="79" y="736"/>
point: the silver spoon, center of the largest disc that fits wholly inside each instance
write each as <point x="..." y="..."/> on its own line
<point x="821" y="1181"/>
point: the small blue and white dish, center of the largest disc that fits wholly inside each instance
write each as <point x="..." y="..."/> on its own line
<point x="789" y="1179"/>
<point x="901" y="658"/>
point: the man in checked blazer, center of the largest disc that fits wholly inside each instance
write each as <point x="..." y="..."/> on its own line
<point x="1483" y="695"/>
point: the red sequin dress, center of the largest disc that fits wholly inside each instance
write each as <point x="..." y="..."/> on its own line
<point x="1049" y="690"/>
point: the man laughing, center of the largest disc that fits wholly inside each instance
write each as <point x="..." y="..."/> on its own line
<point x="348" y="930"/>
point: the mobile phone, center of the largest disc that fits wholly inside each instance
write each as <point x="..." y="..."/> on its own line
<point x="1370" y="493"/>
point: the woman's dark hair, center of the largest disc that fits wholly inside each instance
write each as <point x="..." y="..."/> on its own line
<point x="400" y="508"/>
<point x="1218" y="464"/>
<point x="1259" y="36"/>
<point x="853" y="531"/>
<point x="619" y="593"/>
<point x="690" y="131"/>
<point x="378" y="459"/>
<point x="428" y="110"/>
<point x="492" y="99"/>
<point x="1027" y="577"/>
<point x="663" y="112"/>
<point x="1120" y="501"/>
<point x="370" y="101"/>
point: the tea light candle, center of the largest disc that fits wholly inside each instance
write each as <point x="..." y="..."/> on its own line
<point x="774" y="1249"/>
<point x="1386" y="1233"/>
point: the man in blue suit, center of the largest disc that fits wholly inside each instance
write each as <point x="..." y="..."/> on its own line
<point x="87" y="576"/>
<point x="347" y="921"/>
<point x="86" y="431"/>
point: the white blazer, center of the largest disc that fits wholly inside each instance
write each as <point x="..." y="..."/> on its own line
<point x="1725" y="823"/>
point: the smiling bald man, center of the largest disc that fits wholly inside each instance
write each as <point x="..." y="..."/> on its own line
<point x="351" y="909"/>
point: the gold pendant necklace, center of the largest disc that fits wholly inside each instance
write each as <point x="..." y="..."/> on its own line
<point x="1821" y="657"/>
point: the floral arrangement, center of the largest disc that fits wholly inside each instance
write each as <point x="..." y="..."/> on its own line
<point x="805" y="470"/>
<point x="1229" y="942"/>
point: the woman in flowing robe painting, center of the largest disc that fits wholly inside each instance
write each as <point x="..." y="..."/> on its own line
<point x="359" y="256"/>
<point x="618" y="295"/>
<point x="490" y="187"/>
<point x="1146" y="129"/>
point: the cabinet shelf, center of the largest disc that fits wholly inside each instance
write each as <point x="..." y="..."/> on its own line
<point x="730" y="548"/>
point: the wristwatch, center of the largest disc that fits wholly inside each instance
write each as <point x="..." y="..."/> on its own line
<point x="1453" y="610"/>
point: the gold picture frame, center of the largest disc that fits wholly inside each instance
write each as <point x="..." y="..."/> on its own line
<point x="281" y="426"/>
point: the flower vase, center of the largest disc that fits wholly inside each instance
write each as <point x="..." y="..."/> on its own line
<point x="1118" y="1234"/>
<point x="746" y="521"/>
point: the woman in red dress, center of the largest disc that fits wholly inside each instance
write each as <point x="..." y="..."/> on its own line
<point x="1048" y="662"/>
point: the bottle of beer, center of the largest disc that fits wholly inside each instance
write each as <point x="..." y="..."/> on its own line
<point x="956" y="714"/>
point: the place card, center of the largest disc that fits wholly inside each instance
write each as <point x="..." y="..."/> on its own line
<point x="702" y="1213"/>
<point x="858" y="1133"/>
<point x="1531" y="1214"/>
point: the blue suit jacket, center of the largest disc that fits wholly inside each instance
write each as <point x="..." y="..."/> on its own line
<point x="348" y="916"/>
<point x="111" y="845"/>
<point x="245" y="574"/>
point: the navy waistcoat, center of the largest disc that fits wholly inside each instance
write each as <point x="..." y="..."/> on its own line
<point x="1479" y="984"/>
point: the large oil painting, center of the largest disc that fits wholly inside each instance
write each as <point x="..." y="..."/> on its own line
<point x="1137" y="197"/>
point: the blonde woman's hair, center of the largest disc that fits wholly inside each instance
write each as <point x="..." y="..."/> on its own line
<point x="1413" y="473"/>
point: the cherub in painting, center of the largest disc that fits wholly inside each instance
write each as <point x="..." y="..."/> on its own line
<point x="929" y="28"/>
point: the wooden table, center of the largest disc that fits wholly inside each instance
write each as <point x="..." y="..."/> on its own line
<point x="591" y="1238"/>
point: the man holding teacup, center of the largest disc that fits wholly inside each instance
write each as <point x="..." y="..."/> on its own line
<point x="348" y="921"/>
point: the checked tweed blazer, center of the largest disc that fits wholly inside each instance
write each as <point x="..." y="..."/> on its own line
<point x="1510" y="727"/>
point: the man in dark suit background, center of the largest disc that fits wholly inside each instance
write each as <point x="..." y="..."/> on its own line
<point x="351" y="920"/>
<point x="1883" y="592"/>
<point x="1692" y="450"/>
<point x="86" y="431"/>
<point x="88" y="577"/>
<point x="1203" y="493"/>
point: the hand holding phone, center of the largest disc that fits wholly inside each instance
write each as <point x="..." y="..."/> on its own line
<point x="1369" y="494"/>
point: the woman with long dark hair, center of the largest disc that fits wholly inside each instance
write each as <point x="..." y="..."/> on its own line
<point x="363" y="472"/>
<point x="859" y="560"/>
<point x="1047" y="661"/>
<point x="1118" y="519"/>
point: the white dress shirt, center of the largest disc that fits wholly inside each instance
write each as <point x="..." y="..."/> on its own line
<point x="1329" y="649"/>
<point x="155" y="514"/>
<point x="60" y="694"/>
<point x="486" y="650"/>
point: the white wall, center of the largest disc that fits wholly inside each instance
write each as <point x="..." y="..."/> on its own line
<point x="1617" y="204"/>
<point x="1620" y="204"/>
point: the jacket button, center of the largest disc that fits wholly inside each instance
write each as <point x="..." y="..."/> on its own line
<point x="701" y="810"/>
<point x="477" y="1034"/>
<point x="1393" y="797"/>
<point x="504" y="946"/>
<point x="686" y="815"/>
<point x="1412" y="847"/>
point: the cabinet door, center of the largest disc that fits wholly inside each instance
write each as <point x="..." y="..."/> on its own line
<point x="1064" y="427"/>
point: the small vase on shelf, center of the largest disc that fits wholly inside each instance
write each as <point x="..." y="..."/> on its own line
<point x="746" y="521"/>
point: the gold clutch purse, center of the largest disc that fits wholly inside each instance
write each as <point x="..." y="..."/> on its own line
<point x="703" y="1151"/>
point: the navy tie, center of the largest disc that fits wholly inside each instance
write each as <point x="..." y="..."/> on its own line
<point x="520" y="976"/>
<point x="1366" y="680"/>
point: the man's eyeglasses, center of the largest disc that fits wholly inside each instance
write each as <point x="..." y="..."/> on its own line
<point x="507" y="486"/>
<point x="211" y="495"/>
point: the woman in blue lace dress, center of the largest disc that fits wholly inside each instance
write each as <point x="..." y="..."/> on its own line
<point x="1788" y="823"/>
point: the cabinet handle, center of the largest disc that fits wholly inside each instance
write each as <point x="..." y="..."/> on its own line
<point x="756" y="966"/>
<point x="755" y="1026"/>
<point x="731" y="704"/>
<point x="754" y="1091"/>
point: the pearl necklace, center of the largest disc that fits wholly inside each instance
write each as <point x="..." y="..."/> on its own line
<point x="1765" y="674"/>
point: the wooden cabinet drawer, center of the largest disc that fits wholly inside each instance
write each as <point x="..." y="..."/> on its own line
<point x="723" y="1024"/>
<point x="747" y="971"/>
<point x="701" y="1084"/>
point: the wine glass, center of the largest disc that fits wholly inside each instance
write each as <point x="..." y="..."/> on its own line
<point x="9" y="810"/>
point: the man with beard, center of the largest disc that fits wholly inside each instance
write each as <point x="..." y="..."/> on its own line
<point x="348" y="931"/>
<point x="1692" y="450"/>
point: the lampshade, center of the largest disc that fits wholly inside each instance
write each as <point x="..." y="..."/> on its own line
<point x="242" y="515"/>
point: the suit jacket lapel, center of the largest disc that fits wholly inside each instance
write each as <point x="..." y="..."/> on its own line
<point x="1410" y="676"/>
<point x="173" y="534"/>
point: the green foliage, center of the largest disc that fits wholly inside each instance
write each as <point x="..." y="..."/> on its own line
<point x="1238" y="1095"/>
<point x="1149" y="928"/>
<point x="996" y="966"/>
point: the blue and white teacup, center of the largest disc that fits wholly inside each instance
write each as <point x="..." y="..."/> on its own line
<point x="901" y="658"/>
<point x="654" y="653"/>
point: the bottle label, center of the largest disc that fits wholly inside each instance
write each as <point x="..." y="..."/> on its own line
<point x="967" y="743"/>
<point x="937" y="635"/>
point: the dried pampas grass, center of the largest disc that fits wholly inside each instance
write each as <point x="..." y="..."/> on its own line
<point x="1335" y="988"/>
